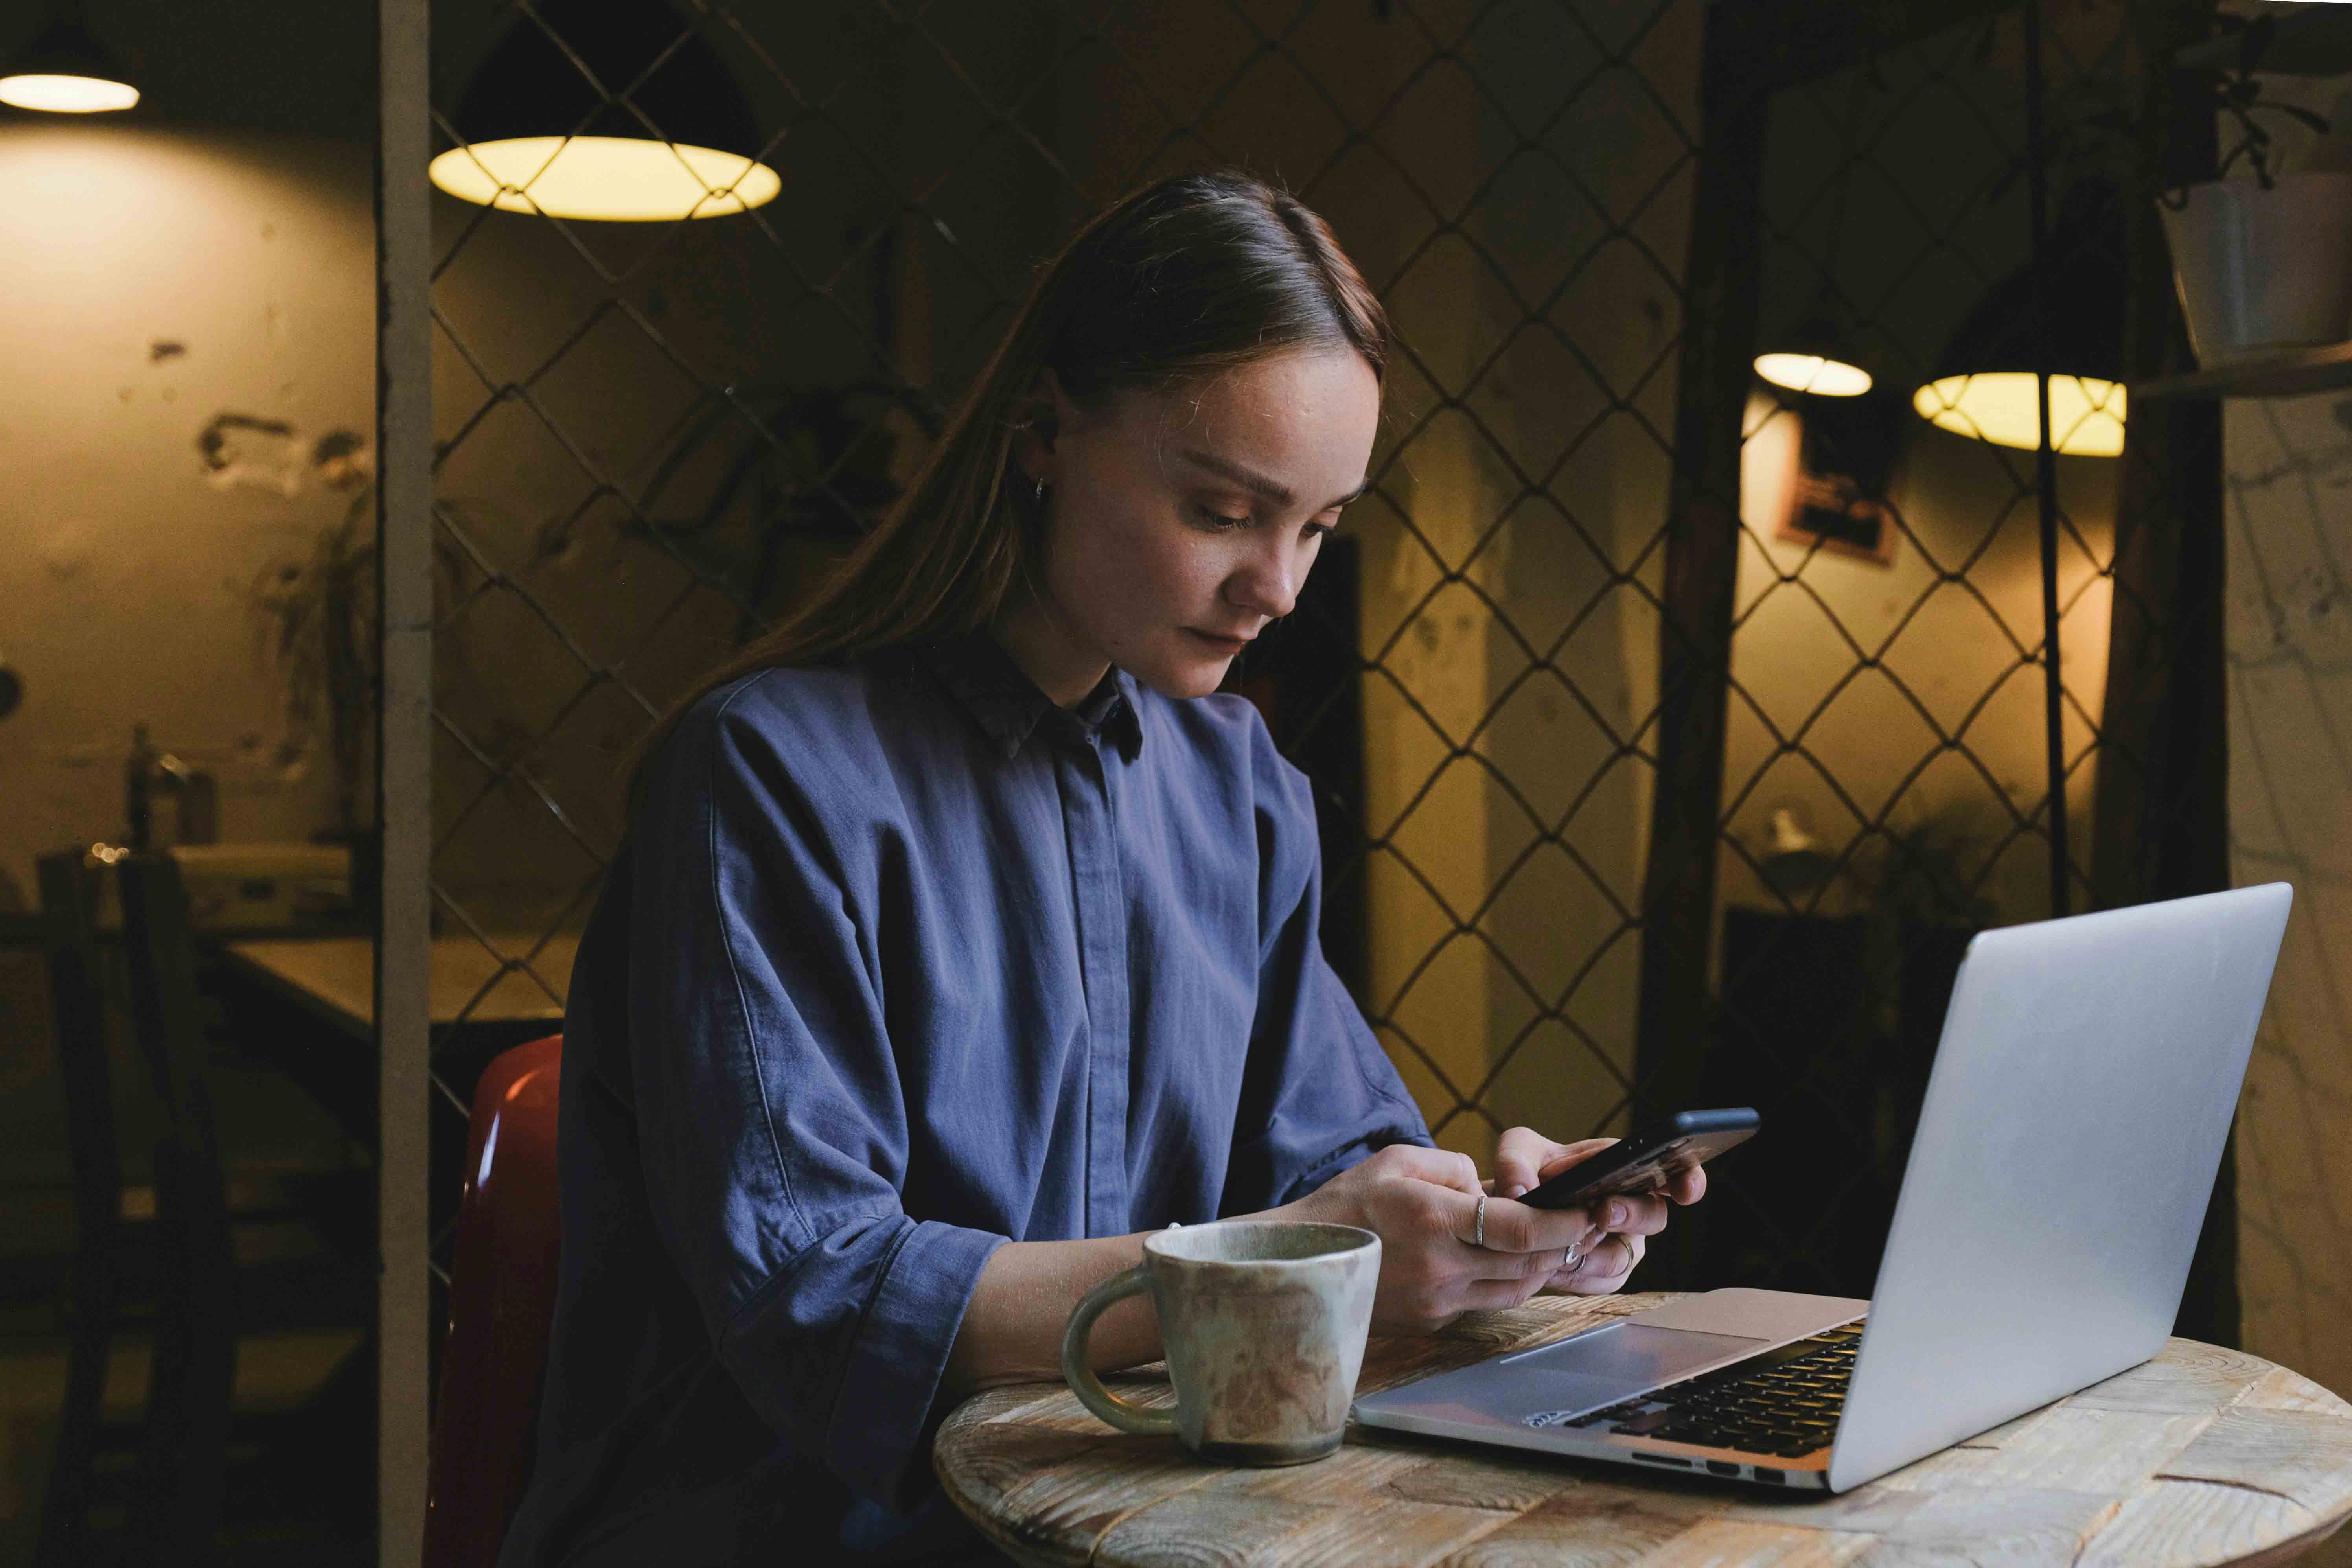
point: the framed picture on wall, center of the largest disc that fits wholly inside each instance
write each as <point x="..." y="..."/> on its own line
<point x="1845" y="458"/>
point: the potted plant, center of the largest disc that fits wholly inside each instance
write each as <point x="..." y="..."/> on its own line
<point x="2264" y="264"/>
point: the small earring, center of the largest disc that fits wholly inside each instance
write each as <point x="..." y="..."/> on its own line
<point x="1041" y="494"/>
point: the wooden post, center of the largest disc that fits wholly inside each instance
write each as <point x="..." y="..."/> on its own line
<point x="404" y="766"/>
<point x="2160" y="815"/>
<point x="1721" y="284"/>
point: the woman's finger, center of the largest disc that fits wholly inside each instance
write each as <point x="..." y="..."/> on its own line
<point x="1520" y="1159"/>
<point x="1602" y="1269"/>
<point x="1568" y="1154"/>
<point x="1636" y="1214"/>
<point x="1514" y="1226"/>
<point x="1618" y="1257"/>
<point x="1690" y="1184"/>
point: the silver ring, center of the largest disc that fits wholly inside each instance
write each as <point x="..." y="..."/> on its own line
<point x="1480" y="1238"/>
<point x="1573" y="1257"/>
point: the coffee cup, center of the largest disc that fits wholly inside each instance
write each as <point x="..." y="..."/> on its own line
<point x="1263" y="1323"/>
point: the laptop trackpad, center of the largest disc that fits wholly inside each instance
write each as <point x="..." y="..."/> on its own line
<point x="1609" y="1364"/>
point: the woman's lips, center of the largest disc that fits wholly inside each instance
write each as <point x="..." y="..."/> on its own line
<point x="1227" y="646"/>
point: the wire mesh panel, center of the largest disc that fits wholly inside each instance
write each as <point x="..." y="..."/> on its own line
<point x="1887" y="762"/>
<point x="654" y="434"/>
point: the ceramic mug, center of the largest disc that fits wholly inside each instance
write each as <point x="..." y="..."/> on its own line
<point x="1264" y="1321"/>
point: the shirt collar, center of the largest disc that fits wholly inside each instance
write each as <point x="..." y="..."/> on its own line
<point x="998" y="698"/>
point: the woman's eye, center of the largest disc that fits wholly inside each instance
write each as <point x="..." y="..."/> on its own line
<point x="1223" y="520"/>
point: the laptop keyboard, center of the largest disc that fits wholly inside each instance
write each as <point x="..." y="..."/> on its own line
<point x="1784" y="1402"/>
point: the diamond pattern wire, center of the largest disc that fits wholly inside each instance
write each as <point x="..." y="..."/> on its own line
<point x="1884" y="786"/>
<point x="650" y="434"/>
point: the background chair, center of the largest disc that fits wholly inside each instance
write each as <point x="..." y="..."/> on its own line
<point x="202" y="1299"/>
<point x="184" y="1456"/>
<point x="77" y="1014"/>
<point x="501" y="1304"/>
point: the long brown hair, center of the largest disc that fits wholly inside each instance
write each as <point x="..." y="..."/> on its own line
<point x="1198" y="273"/>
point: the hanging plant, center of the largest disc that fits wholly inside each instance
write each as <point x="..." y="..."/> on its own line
<point x="2237" y="95"/>
<point x="2263" y="266"/>
<point x="317" y="618"/>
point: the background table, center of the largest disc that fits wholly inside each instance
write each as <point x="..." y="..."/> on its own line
<point x="2201" y="1456"/>
<point x="335" y="977"/>
<point x="306" y="1007"/>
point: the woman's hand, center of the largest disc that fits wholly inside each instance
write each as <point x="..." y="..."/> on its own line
<point x="1621" y="1224"/>
<point x="1424" y="1206"/>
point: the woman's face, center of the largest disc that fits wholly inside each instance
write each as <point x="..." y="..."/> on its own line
<point x="1179" y="522"/>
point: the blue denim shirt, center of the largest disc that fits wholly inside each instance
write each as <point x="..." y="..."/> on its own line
<point x="902" y="961"/>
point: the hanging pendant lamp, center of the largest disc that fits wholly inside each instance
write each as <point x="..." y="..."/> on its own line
<point x="1814" y="359"/>
<point x="668" y="135"/>
<point x="1984" y="386"/>
<point x="66" y="71"/>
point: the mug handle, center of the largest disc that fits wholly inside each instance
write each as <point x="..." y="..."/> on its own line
<point x="1077" y="1367"/>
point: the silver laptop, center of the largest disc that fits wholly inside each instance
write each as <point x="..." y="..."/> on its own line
<point x="2087" y="1076"/>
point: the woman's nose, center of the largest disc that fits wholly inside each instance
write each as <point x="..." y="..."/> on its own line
<point x="1268" y="583"/>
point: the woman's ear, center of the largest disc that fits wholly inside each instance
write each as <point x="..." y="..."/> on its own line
<point x="1037" y="423"/>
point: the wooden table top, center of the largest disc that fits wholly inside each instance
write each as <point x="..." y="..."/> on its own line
<point x="335" y="977"/>
<point x="2201" y="1457"/>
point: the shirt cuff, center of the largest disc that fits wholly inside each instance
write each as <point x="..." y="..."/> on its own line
<point x="883" y="1415"/>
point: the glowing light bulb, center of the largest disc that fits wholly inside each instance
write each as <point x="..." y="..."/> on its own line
<point x="614" y="178"/>
<point x="67" y="94"/>
<point x="2086" y="413"/>
<point x="1813" y="373"/>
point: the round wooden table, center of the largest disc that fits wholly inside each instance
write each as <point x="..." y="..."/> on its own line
<point x="2201" y="1457"/>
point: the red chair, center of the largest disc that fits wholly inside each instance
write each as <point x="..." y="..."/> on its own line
<point x="501" y="1304"/>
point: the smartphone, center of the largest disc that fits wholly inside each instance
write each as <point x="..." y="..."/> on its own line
<point x="1646" y="1160"/>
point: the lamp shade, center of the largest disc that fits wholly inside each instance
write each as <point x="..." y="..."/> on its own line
<point x="1823" y="375"/>
<point x="668" y="135"/>
<point x="1985" y="386"/>
<point x="1815" y="358"/>
<point x="65" y="70"/>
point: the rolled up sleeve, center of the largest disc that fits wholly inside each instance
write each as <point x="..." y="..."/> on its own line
<point x="771" y="1124"/>
<point x="1319" y="1093"/>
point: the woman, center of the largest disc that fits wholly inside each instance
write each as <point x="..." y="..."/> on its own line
<point x="962" y="936"/>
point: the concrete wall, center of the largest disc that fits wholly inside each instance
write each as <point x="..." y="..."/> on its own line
<point x="2289" y="628"/>
<point x="160" y="285"/>
<point x="2290" y="657"/>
